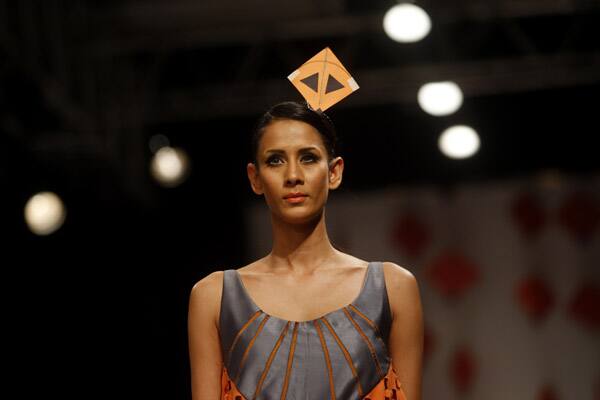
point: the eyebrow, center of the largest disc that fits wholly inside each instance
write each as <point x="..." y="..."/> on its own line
<point x="302" y="150"/>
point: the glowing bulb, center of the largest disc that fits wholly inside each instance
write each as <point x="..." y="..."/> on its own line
<point x="459" y="141"/>
<point x="406" y="23"/>
<point x="440" y="98"/>
<point x="44" y="213"/>
<point x="169" y="166"/>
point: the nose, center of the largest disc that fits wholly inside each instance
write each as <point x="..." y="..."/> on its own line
<point x="293" y="174"/>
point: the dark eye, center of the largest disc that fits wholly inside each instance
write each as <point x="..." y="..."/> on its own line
<point x="270" y="159"/>
<point x="309" y="157"/>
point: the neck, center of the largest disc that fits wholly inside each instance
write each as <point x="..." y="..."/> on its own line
<point x="300" y="248"/>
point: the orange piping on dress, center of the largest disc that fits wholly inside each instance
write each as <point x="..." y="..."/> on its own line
<point x="388" y="388"/>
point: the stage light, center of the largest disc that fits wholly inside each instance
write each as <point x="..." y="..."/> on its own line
<point x="459" y="141"/>
<point x="170" y="166"/>
<point x="406" y="23"/>
<point x="44" y="213"/>
<point x="440" y="98"/>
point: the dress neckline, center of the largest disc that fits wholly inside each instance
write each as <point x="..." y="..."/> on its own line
<point x="362" y="289"/>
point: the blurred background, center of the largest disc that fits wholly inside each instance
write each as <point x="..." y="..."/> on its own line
<point x="471" y="160"/>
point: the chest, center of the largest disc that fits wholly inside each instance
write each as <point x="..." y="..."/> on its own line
<point x="300" y="299"/>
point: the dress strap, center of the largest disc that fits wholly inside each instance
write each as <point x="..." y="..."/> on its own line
<point x="373" y="300"/>
<point x="236" y="308"/>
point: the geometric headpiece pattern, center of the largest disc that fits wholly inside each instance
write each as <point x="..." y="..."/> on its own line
<point x="323" y="80"/>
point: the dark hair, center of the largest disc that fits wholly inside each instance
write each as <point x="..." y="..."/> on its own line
<point x="299" y="112"/>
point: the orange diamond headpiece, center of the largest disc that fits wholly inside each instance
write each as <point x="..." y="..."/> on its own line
<point x="323" y="80"/>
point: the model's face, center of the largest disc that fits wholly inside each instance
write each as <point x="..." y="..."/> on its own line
<point x="293" y="158"/>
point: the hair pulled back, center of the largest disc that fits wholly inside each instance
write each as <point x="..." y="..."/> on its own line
<point x="299" y="112"/>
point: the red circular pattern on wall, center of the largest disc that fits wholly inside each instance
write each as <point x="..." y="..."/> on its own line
<point x="534" y="297"/>
<point x="584" y="306"/>
<point x="547" y="392"/>
<point x="410" y="234"/>
<point x="452" y="274"/>
<point x="528" y="214"/>
<point x="463" y="369"/>
<point x="579" y="215"/>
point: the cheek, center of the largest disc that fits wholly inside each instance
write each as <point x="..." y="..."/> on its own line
<point x="320" y="180"/>
<point x="270" y="183"/>
<point x="323" y="175"/>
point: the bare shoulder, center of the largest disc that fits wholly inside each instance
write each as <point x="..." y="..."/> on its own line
<point x="209" y="284"/>
<point x="402" y="287"/>
<point x="396" y="274"/>
<point x="206" y="295"/>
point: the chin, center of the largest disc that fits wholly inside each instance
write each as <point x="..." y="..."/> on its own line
<point x="299" y="216"/>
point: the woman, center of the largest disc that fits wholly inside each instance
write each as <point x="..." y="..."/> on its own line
<point x="267" y="330"/>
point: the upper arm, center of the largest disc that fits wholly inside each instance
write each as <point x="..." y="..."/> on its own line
<point x="406" y="334"/>
<point x="203" y="337"/>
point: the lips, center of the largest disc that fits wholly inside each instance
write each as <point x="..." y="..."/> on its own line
<point x="295" y="194"/>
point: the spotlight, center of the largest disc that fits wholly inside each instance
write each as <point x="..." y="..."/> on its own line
<point x="440" y="98"/>
<point x="170" y="166"/>
<point x="406" y="23"/>
<point x="44" y="213"/>
<point x="459" y="141"/>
